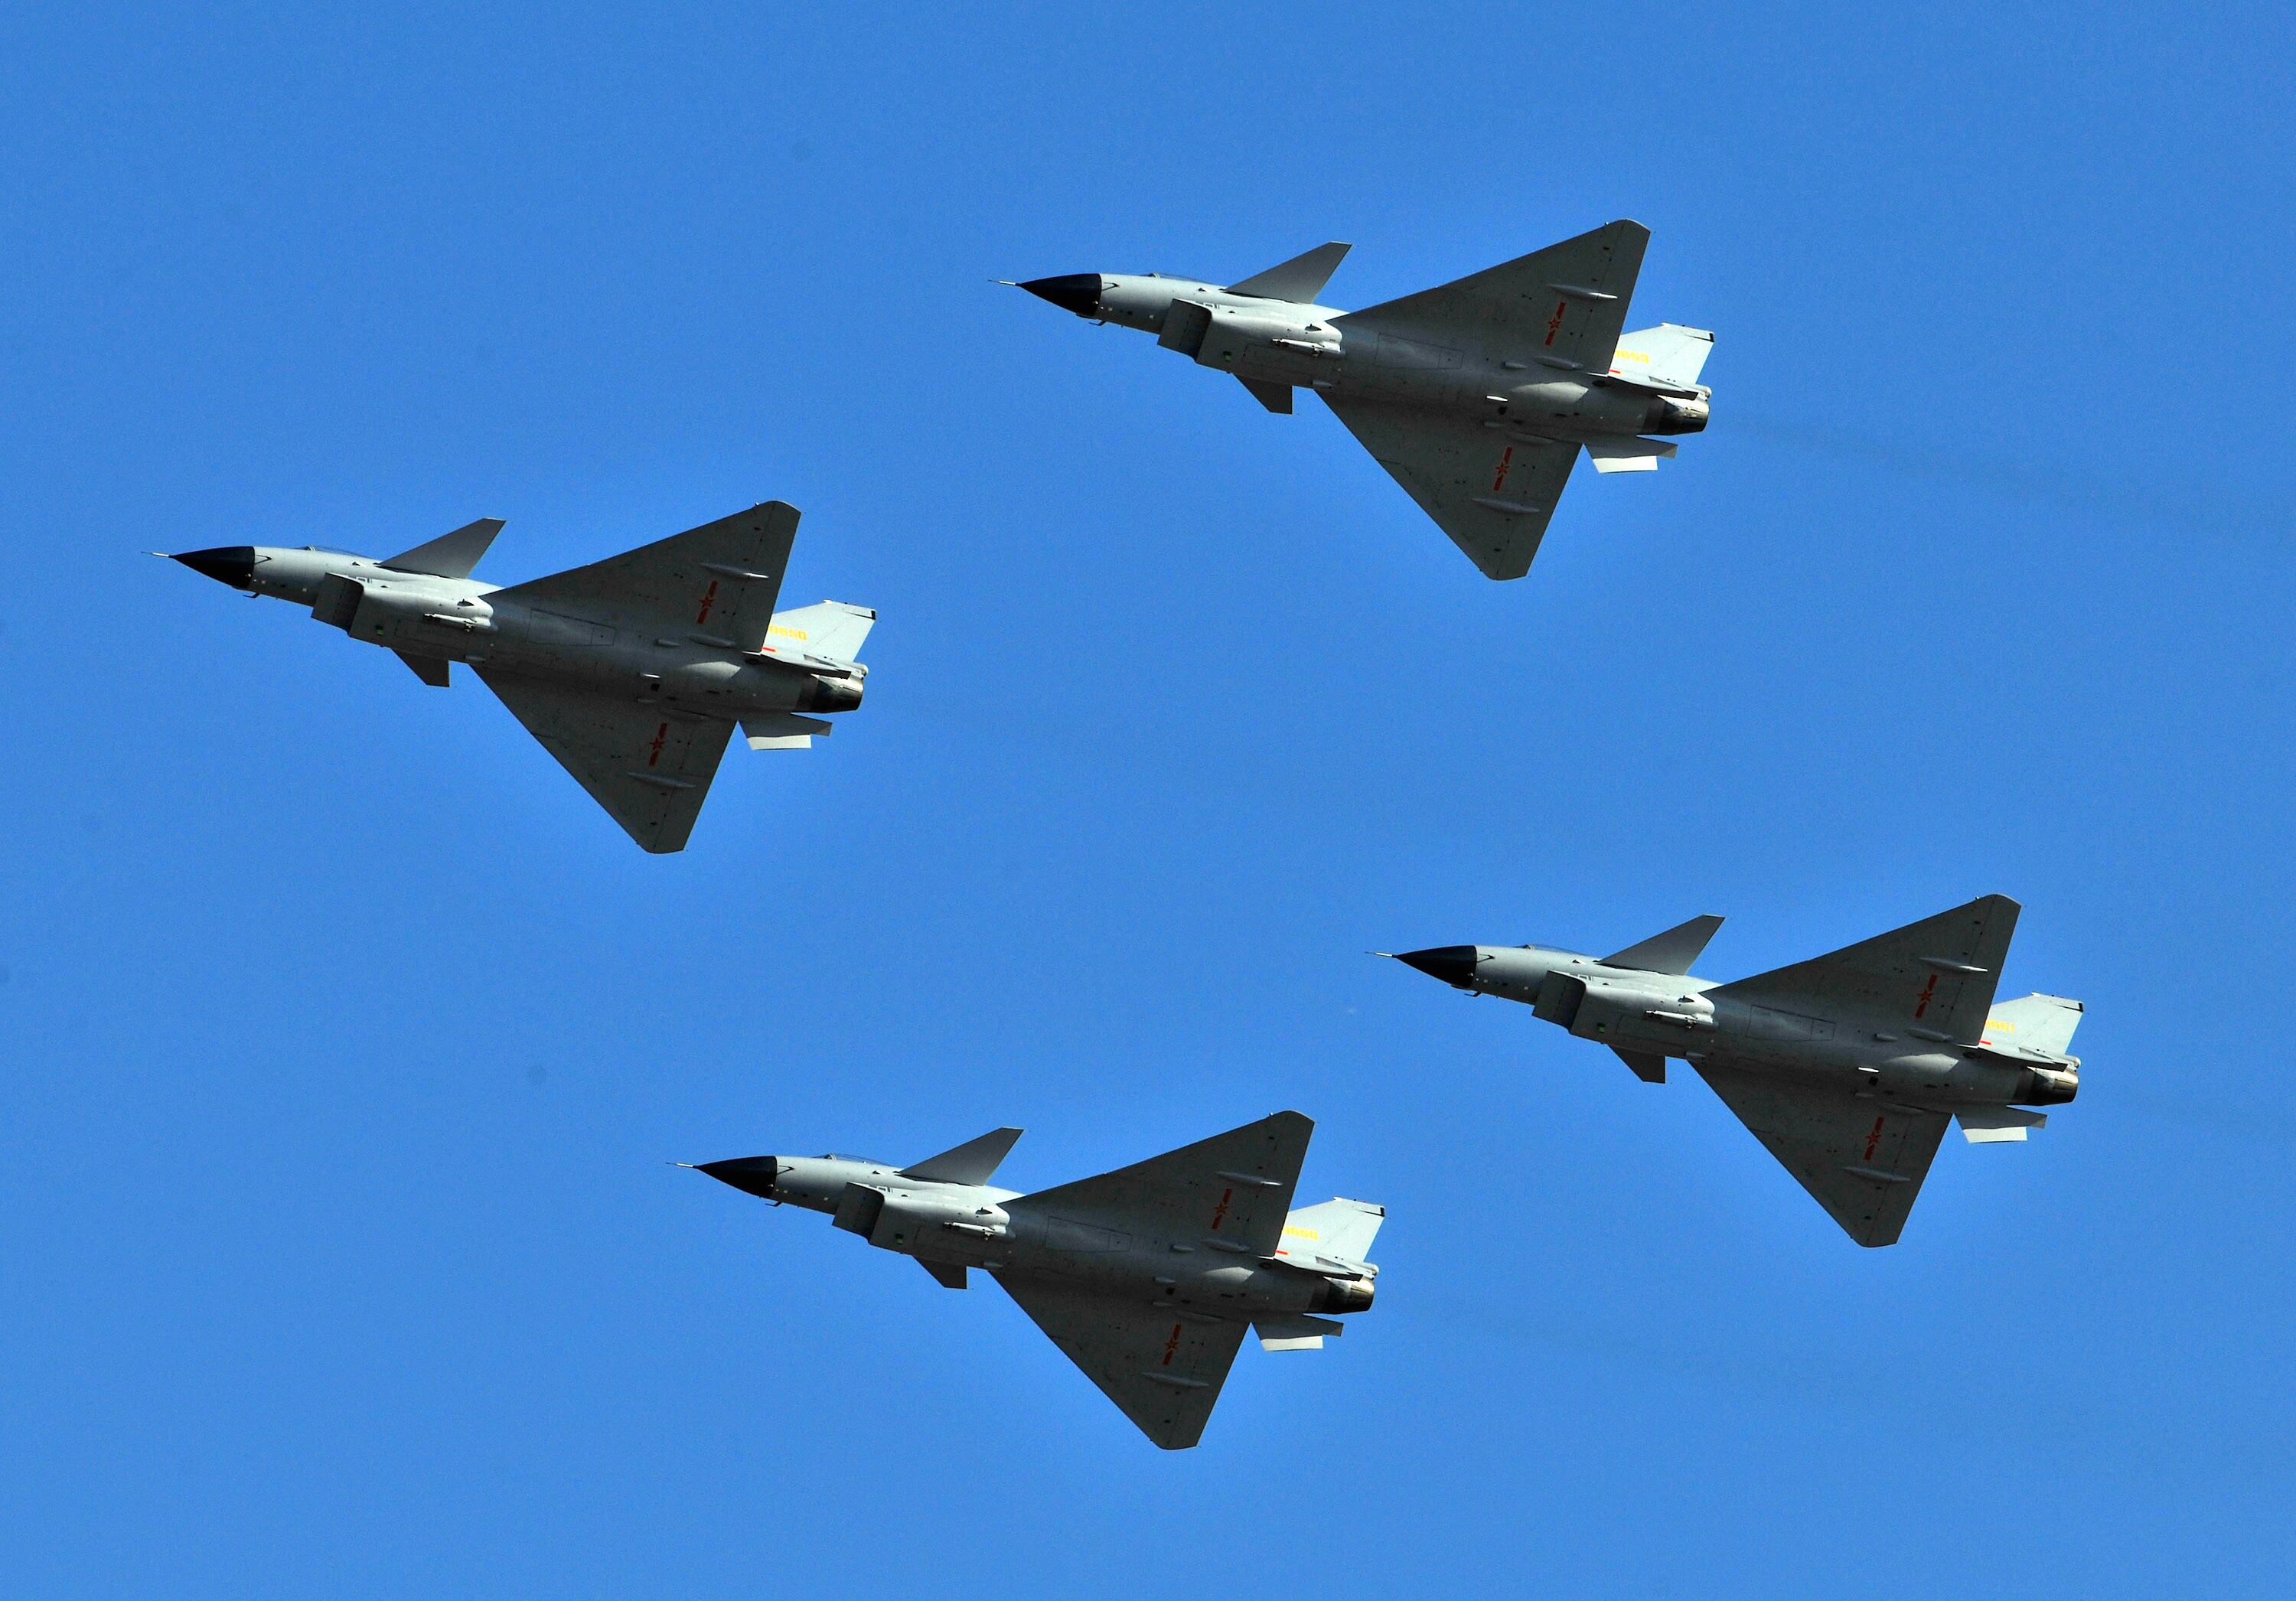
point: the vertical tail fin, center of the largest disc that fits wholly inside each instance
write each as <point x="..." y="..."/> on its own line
<point x="1338" y="1228"/>
<point x="2038" y="1023"/>
<point x="1669" y="354"/>
<point x="830" y="628"/>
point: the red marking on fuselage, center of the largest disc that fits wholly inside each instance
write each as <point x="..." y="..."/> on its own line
<point x="1873" y="1139"/>
<point x="660" y="734"/>
<point x="1554" y="323"/>
<point x="709" y="599"/>
<point x="1507" y="463"/>
<point x="1928" y="992"/>
<point x="1172" y="1345"/>
<point x="1220" y="1211"/>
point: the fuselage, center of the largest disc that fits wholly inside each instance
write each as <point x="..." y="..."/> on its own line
<point x="1374" y="357"/>
<point x="1680" y="1015"/>
<point x="464" y="619"/>
<point x="981" y="1226"/>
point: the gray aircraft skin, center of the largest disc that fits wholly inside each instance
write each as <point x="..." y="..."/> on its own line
<point x="1847" y="1067"/>
<point x="632" y="671"/>
<point x="1476" y="396"/>
<point x="1147" y="1277"/>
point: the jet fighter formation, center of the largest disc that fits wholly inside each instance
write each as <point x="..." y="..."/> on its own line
<point x="1147" y="1277"/>
<point x="1847" y="1067"/>
<point x="1478" y="397"/>
<point x="631" y="671"/>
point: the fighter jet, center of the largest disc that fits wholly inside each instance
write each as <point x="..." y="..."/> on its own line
<point x="1848" y="1066"/>
<point x="1476" y="396"/>
<point x="631" y="671"/>
<point x="1145" y="1278"/>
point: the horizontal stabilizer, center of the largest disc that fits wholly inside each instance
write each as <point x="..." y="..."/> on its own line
<point x="971" y="1163"/>
<point x="450" y="556"/>
<point x="1299" y="280"/>
<point x="1671" y="952"/>
<point x="1295" y="1331"/>
<point x="1990" y="1125"/>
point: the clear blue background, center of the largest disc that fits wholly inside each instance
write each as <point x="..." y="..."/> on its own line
<point x="346" y="1041"/>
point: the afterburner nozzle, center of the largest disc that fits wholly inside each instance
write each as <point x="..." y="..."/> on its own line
<point x="1071" y="292"/>
<point x="2051" y="1085"/>
<point x="232" y="565"/>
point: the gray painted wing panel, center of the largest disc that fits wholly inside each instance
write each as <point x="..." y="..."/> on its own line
<point x="650" y="767"/>
<point x="1862" y="1160"/>
<point x="1521" y="308"/>
<point x="1910" y="976"/>
<point x="1235" y="1186"/>
<point x="1493" y="496"/>
<point x="1162" y="1370"/>
<point x="686" y="583"/>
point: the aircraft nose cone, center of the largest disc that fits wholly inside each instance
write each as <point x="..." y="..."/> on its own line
<point x="1453" y="964"/>
<point x="751" y="1175"/>
<point x="232" y="565"/>
<point x="1073" y="291"/>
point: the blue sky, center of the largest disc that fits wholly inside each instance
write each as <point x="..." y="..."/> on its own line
<point x="346" y="1042"/>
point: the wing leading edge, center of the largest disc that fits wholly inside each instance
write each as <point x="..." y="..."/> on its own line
<point x="1494" y="496"/>
<point x="1567" y="302"/>
<point x="1236" y="1187"/>
<point x="721" y="578"/>
<point x="651" y="767"/>
<point x="1861" y="1158"/>
<point x="1936" y="977"/>
<point x="1162" y="1368"/>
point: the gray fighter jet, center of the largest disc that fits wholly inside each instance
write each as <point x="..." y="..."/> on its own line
<point x="1847" y="1067"/>
<point x="631" y="671"/>
<point x="1145" y="1278"/>
<point x="1477" y="395"/>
